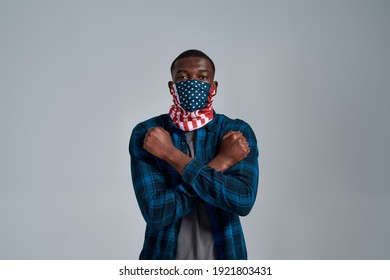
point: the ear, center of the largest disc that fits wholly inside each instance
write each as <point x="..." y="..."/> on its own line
<point x="215" y="85"/>
<point x="170" y="85"/>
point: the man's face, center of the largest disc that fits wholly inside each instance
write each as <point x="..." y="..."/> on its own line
<point x="193" y="68"/>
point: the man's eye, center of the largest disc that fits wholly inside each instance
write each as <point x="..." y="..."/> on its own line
<point x="182" y="77"/>
<point x="203" y="77"/>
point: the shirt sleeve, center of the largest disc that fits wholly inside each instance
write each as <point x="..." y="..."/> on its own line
<point x="234" y="190"/>
<point x="161" y="199"/>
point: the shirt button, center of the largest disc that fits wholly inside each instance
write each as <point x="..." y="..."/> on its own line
<point x="183" y="143"/>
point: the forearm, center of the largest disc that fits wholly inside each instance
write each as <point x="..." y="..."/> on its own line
<point x="234" y="191"/>
<point x="178" y="160"/>
<point x="219" y="163"/>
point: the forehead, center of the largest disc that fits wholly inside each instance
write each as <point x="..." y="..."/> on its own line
<point x="192" y="64"/>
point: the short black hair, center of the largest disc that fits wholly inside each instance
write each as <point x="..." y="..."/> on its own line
<point x="193" y="53"/>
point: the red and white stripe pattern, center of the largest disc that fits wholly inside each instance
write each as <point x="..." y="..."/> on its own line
<point x="189" y="121"/>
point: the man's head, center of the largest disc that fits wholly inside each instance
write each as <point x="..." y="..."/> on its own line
<point x="193" y="65"/>
<point x="193" y="53"/>
<point x="193" y="89"/>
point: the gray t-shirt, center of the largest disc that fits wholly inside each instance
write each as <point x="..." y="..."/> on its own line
<point x="196" y="240"/>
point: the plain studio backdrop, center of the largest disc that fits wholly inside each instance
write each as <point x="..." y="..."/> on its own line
<point x="312" y="78"/>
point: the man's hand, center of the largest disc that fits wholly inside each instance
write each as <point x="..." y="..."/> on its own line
<point x="234" y="148"/>
<point x="158" y="142"/>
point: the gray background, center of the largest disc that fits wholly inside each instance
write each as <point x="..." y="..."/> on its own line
<point x="311" y="77"/>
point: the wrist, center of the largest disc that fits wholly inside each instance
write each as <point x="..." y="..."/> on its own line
<point x="220" y="163"/>
<point x="177" y="159"/>
<point x="170" y="154"/>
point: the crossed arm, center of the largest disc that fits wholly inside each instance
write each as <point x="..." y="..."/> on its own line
<point x="228" y="181"/>
<point x="234" y="148"/>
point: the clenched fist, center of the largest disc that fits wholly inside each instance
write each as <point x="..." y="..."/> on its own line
<point x="234" y="147"/>
<point x="158" y="142"/>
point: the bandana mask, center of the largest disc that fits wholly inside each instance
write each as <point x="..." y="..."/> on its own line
<point x="192" y="104"/>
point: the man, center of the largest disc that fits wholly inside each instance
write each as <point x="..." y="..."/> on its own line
<point x="194" y="171"/>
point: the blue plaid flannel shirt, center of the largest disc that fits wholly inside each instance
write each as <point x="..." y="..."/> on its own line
<point x="165" y="197"/>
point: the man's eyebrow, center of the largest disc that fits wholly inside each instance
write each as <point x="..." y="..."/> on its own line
<point x="186" y="71"/>
<point x="181" y="71"/>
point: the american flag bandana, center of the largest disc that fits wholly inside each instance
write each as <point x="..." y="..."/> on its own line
<point x="190" y="110"/>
